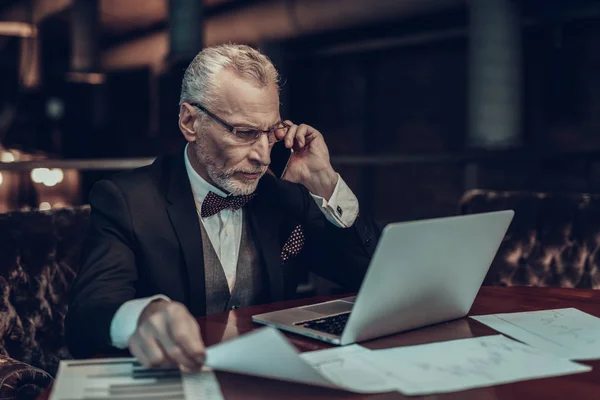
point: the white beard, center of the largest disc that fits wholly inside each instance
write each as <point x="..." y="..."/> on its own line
<point x="224" y="178"/>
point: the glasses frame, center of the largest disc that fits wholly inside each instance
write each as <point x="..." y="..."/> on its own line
<point x="234" y="130"/>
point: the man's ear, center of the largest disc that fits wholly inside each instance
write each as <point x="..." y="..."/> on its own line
<point x="187" y="117"/>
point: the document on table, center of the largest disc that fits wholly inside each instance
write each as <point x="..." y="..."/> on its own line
<point x="124" y="378"/>
<point x="566" y="332"/>
<point x="424" y="369"/>
<point x="466" y="364"/>
<point x="267" y="353"/>
<point x="345" y="367"/>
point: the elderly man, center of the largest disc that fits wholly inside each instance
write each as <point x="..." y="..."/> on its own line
<point x="208" y="229"/>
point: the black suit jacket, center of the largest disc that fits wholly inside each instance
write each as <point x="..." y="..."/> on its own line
<point x="144" y="239"/>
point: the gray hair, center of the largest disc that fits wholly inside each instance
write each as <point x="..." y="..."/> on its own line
<point x="199" y="79"/>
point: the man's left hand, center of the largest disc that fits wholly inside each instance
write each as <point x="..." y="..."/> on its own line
<point x="309" y="164"/>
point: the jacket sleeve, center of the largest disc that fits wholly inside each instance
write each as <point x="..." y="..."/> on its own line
<point x="108" y="273"/>
<point x="341" y="255"/>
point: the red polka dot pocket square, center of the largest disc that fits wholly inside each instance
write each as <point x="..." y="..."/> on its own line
<point x="293" y="246"/>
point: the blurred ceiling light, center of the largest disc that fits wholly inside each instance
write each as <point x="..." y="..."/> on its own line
<point x="58" y="205"/>
<point x="92" y="78"/>
<point x="48" y="177"/>
<point x="1" y="178"/>
<point x="20" y="29"/>
<point x="39" y="174"/>
<point x="55" y="108"/>
<point x="54" y="176"/>
<point x="44" y="206"/>
<point x="7" y="157"/>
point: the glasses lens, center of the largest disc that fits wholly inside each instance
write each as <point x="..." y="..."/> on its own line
<point x="247" y="135"/>
<point x="251" y="135"/>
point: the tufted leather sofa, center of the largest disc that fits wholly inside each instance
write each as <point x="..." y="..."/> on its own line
<point x="554" y="240"/>
<point x="39" y="258"/>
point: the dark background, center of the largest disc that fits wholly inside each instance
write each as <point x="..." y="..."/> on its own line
<point x="395" y="89"/>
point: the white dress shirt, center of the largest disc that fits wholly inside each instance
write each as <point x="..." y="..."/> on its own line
<point x="224" y="230"/>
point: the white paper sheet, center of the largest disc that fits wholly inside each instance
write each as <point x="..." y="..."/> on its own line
<point x="566" y="332"/>
<point x="202" y="386"/>
<point x="344" y="367"/>
<point x="466" y="364"/>
<point x="267" y="353"/>
<point x="264" y="352"/>
<point x="123" y="378"/>
<point x="424" y="369"/>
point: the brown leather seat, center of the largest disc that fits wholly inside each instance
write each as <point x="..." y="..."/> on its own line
<point x="553" y="240"/>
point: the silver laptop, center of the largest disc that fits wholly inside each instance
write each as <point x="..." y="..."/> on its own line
<point x="421" y="273"/>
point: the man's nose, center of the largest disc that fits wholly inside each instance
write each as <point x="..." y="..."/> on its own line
<point x="261" y="151"/>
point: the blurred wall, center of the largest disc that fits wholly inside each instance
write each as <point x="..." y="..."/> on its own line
<point x="397" y="88"/>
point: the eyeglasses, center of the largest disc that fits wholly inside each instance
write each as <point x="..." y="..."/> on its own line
<point x="249" y="135"/>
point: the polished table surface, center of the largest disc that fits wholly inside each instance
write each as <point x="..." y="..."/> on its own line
<point x="490" y="300"/>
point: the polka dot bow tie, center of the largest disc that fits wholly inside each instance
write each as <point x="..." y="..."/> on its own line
<point x="213" y="203"/>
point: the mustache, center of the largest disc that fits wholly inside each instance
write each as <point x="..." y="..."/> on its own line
<point x="257" y="171"/>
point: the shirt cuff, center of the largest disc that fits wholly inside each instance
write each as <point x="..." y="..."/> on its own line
<point x="342" y="208"/>
<point x="125" y="320"/>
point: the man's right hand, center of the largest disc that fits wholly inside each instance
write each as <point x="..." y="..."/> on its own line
<point x="167" y="335"/>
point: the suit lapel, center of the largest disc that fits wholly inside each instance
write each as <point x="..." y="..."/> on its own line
<point x="265" y="222"/>
<point x="182" y="212"/>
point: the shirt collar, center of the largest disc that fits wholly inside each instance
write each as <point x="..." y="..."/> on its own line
<point x="200" y="187"/>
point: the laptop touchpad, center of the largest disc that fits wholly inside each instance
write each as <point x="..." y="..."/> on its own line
<point x="332" y="307"/>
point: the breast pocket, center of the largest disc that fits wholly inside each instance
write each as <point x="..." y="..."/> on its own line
<point x="293" y="245"/>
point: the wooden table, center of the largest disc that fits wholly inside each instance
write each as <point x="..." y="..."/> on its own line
<point x="219" y="327"/>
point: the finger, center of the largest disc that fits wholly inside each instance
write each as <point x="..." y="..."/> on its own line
<point x="289" y="137"/>
<point x="156" y="332"/>
<point x="156" y="354"/>
<point x="175" y="352"/>
<point x="186" y="369"/>
<point x="151" y="355"/>
<point x="280" y="134"/>
<point x="301" y="134"/>
<point x="191" y="333"/>
<point x="185" y="332"/>
<point x="138" y="353"/>
<point x="181" y="338"/>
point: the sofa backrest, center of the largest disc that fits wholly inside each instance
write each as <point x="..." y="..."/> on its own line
<point x="554" y="239"/>
<point x="39" y="258"/>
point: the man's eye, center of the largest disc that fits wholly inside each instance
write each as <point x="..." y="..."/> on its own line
<point x="247" y="133"/>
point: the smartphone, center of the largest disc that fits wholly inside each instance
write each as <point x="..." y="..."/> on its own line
<point x="280" y="157"/>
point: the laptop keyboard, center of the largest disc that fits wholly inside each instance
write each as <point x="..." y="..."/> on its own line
<point x="333" y="325"/>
